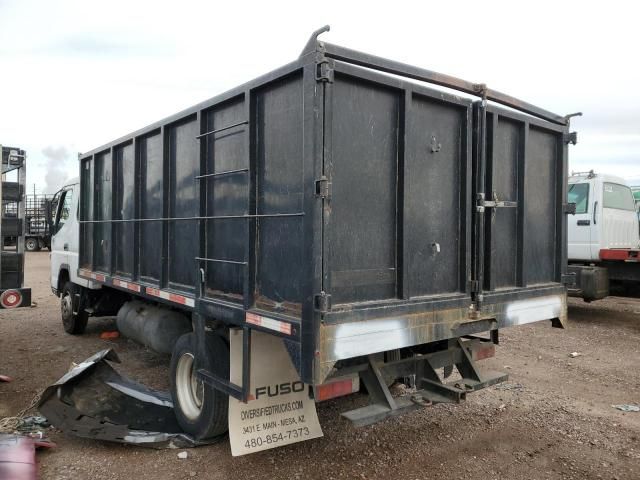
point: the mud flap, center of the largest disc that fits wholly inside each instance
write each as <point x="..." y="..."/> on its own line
<point x="92" y="400"/>
<point x="280" y="410"/>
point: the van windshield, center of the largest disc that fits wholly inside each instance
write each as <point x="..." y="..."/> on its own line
<point x="579" y="194"/>
<point x="618" y="196"/>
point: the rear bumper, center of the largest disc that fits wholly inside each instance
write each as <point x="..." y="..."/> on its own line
<point x="346" y="340"/>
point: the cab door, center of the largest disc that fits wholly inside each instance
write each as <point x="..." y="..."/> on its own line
<point x="582" y="223"/>
<point x="619" y="217"/>
<point x="63" y="239"/>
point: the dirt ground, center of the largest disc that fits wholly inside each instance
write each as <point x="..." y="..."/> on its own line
<point x="554" y="420"/>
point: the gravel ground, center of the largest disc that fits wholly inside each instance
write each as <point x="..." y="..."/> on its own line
<point x="553" y="421"/>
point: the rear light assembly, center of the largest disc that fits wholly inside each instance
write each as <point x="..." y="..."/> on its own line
<point x="337" y="388"/>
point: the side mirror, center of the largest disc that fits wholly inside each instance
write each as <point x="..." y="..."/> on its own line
<point x="571" y="208"/>
<point x="48" y="213"/>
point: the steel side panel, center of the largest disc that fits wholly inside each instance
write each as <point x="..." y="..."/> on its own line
<point x="124" y="186"/>
<point x="434" y="215"/>
<point x="184" y="165"/>
<point x="363" y="173"/>
<point x="226" y="195"/>
<point x="102" y="189"/>
<point x="280" y="189"/>
<point x="525" y="162"/>
<point x="86" y="213"/>
<point x="541" y="208"/>
<point x="502" y="227"/>
<point x="151" y="206"/>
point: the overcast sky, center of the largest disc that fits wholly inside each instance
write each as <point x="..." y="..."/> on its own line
<point x="75" y="75"/>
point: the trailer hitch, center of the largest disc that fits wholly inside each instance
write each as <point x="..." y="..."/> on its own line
<point x="430" y="388"/>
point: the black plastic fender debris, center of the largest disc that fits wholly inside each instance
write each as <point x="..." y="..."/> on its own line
<point x="92" y="400"/>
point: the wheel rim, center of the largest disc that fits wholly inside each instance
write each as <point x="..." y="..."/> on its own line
<point x="65" y="306"/>
<point x="31" y="244"/>
<point x="189" y="389"/>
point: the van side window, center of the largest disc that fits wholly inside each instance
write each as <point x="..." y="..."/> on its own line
<point x="618" y="196"/>
<point x="579" y="194"/>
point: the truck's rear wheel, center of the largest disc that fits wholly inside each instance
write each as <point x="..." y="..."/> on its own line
<point x="31" y="244"/>
<point x="201" y="410"/>
<point x="72" y="323"/>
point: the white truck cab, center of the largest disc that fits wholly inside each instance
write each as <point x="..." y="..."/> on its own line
<point x="65" y="236"/>
<point x="606" y="217"/>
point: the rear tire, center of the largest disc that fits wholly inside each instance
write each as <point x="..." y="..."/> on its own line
<point x="74" y="324"/>
<point x="31" y="244"/>
<point x="201" y="410"/>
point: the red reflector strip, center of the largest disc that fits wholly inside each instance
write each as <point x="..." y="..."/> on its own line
<point x="620" y="254"/>
<point x="128" y="285"/>
<point x="331" y="390"/>
<point x="172" y="297"/>
<point x="89" y="274"/>
<point x="269" y="323"/>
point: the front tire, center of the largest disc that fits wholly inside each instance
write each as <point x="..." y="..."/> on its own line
<point x="201" y="410"/>
<point x="74" y="324"/>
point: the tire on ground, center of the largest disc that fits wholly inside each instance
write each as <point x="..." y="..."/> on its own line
<point x="31" y="244"/>
<point x="201" y="410"/>
<point x="74" y="324"/>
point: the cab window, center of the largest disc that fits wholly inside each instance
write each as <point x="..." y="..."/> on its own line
<point x="618" y="196"/>
<point x="579" y="194"/>
<point x="64" y="208"/>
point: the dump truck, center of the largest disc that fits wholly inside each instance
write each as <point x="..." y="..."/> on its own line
<point x="340" y="221"/>
<point x="37" y="235"/>
<point x="13" y="293"/>
<point x="604" y="237"/>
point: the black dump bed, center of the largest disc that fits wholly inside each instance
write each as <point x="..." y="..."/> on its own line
<point x="339" y="202"/>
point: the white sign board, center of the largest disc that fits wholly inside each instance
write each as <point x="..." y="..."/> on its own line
<point x="279" y="410"/>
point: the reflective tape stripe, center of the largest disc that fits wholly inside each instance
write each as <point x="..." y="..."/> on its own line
<point x="172" y="297"/>
<point x="127" y="285"/>
<point x="95" y="276"/>
<point x="154" y="292"/>
<point x="269" y="323"/>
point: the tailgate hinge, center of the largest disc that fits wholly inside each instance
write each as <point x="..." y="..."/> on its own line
<point x="570" y="138"/>
<point x="324" y="71"/>
<point x="568" y="278"/>
<point x="323" y="302"/>
<point x="494" y="203"/>
<point x="323" y="187"/>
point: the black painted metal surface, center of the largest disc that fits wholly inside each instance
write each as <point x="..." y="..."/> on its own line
<point x="328" y="191"/>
